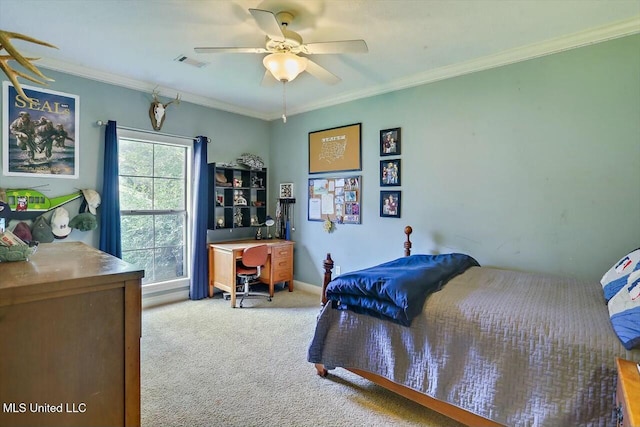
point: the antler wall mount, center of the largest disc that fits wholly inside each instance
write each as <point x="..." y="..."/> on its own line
<point x="14" y="55"/>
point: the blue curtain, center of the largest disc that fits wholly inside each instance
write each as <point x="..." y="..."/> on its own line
<point x="198" y="288"/>
<point x="110" y="200"/>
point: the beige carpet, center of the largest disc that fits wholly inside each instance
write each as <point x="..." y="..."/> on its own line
<point x="206" y="364"/>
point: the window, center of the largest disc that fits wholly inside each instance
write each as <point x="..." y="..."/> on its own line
<point x="154" y="206"/>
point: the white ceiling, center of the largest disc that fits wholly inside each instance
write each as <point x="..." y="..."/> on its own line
<point x="133" y="43"/>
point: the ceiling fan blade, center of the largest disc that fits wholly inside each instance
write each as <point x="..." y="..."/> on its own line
<point x="230" y="50"/>
<point x="321" y="73"/>
<point x="268" y="79"/>
<point x="268" y="23"/>
<point x="344" y="46"/>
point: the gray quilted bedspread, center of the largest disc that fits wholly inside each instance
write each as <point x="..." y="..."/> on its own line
<point x="520" y="349"/>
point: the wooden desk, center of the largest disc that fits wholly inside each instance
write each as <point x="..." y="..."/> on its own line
<point x="223" y="257"/>
<point x="70" y="338"/>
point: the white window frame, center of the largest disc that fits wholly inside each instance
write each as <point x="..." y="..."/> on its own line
<point x="183" y="282"/>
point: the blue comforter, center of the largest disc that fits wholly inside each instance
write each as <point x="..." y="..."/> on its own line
<point x="396" y="290"/>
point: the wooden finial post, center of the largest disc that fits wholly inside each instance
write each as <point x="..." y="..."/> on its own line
<point x="328" y="266"/>
<point x="407" y="245"/>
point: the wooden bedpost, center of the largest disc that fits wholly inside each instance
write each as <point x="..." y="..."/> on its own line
<point x="328" y="266"/>
<point x="407" y="245"/>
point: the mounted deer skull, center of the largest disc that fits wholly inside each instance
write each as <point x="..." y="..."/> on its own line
<point x="157" y="110"/>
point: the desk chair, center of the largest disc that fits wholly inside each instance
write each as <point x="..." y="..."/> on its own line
<point x="248" y="269"/>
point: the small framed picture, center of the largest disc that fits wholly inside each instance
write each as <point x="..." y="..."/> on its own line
<point x="286" y="191"/>
<point x="390" y="142"/>
<point x="389" y="172"/>
<point x="390" y="203"/>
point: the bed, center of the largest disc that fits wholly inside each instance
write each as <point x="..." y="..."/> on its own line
<point x="492" y="346"/>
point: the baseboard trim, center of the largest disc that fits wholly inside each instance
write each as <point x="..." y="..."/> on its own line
<point x="155" y="299"/>
<point x="307" y="287"/>
<point x="164" y="297"/>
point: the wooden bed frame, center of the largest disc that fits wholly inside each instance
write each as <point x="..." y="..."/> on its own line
<point x="447" y="409"/>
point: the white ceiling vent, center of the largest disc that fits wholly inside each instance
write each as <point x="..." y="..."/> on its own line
<point x="185" y="59"/>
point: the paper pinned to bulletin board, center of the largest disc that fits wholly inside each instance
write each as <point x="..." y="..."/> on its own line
<point x="335" y="198"/>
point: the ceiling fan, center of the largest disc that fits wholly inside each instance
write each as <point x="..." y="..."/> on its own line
<point x="284" y="46"/>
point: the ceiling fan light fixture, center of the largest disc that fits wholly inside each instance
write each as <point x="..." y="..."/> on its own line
<point x="285" y="66"/>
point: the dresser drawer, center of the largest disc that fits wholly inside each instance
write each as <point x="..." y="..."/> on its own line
<point x="621" y="408"/>
<point x="627" y="394"/>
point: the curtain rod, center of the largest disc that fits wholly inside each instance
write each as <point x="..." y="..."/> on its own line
<point x="104" y="123"/>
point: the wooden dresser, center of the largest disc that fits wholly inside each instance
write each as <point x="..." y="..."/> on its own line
<point x="628" y="394"/>
<point x="70" y="323"/>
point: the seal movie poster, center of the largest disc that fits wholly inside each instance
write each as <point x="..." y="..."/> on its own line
<point x="40" y="134"/>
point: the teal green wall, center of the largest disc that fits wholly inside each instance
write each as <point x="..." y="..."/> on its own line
<point x="533" y="166"/>
<point x="231" y="134"/>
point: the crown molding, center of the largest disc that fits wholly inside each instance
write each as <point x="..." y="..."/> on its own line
<point x="560" y="44"/>
<point x="143" y="86"/>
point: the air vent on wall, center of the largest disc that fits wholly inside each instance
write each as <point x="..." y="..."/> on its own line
<point x="185" y="59"/>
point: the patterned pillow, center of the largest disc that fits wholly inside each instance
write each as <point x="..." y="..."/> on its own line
<point x="615" y="279"/>
<point x="624" y="311"/>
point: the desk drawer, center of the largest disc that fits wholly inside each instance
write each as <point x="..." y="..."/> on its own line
<point x="282" y="252"/>
<point x="282" y="270"/>
<point x="282" y="263"/>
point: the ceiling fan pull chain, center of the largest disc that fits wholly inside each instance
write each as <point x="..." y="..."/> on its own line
<point x="284" y="102"/>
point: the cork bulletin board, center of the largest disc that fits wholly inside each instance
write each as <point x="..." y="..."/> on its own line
<point x="335" y="150"/>
<point x="335" y="198"/>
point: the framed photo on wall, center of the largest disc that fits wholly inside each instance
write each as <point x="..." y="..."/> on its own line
<point x="389" y="172"/>
<point x="336" y="149"/>
<point x="286" y="190"/>
<point x="40" y="134"/>
<point x="390" y="142"/>
<point x="390" y="203"/>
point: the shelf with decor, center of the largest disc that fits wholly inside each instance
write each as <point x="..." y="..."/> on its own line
<point x="237" y="197"/>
